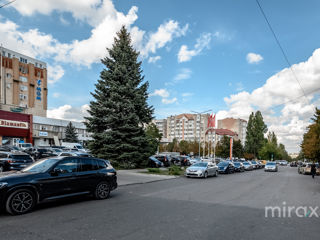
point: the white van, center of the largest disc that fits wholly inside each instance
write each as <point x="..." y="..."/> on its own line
<point x="77" y="146"/>
<point x="25" y="146"/>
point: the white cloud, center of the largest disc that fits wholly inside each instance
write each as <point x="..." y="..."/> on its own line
<point x="165" y="33"/>
<point x="184" y="73"/>
<point x="254" y="58"/>
<point x="203" y="42"/>
<point x="187" y="94"/>
<point x="289" y="121"/>
<point x="160" y="92"/>
<point x="56" y="95"/>
<point x="68" y="112"/>
<point x="55" y="73"/>
<point x="105" y="21"/>
<point x="169" y="101"/>
<point x="154" y="59"/>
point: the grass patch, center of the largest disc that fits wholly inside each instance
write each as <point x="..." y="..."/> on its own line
<point x="153" y="170"/>
<point x="176" y="170"/>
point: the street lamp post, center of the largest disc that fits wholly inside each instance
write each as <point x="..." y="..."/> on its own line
<point x="200" y="127"/>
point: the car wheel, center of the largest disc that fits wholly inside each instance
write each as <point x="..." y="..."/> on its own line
<point x="216" y="174"/>
<point x="205" y="174"/>
<point x="102" y="191"/>
<point x="20" y="202"/>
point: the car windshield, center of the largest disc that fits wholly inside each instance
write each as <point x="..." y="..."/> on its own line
<point x="246" y="163"/>
<point x="26" y="145"/>
<point x="202" y="164"/>
<point x="40" y="166"/>
<point x="79" y="147"/>
<point x="236" y="163"/>
<point x="271" y="164"/>
<point x="222" y="164"/>
<point x="253" y="162"/>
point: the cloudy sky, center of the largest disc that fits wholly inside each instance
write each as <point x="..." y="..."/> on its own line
<point x="197" y="55"/>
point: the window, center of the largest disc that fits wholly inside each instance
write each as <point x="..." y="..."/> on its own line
<point x="23" y="88"/>
<point x="23" y="96"/>
<point x="23" y="79"/>
<point x="101" y="164"/>
<point x="8" y="75"/>
<point x="88" y="165"/>
<point x="68" y="166"/>
<point x="23" y="60"/>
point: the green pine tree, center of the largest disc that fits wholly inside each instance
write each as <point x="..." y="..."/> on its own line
<point x="120" y="109"/>
<point x="71" y="134"/>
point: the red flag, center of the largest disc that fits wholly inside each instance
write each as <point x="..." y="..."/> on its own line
<point x="209" y="121"/>
<point x="213" y="122"/>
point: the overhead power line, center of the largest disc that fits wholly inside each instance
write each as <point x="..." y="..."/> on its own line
<point x="3" y="5"/>
<point x="282" y="50"/>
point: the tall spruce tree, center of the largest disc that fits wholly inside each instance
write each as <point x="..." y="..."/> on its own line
<point x="71" y="134"/>
<point x="120" y="109"/>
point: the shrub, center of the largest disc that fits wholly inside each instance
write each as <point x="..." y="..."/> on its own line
<point x="174" y="170"/>
<point x="153" y="170"/>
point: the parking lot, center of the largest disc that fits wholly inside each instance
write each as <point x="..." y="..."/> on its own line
<point x="227" y="207"/>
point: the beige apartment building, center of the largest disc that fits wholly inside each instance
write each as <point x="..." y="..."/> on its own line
<point x="187" y="126"/>
<point x="23" y="83"/>
<point x="239" y="126"/>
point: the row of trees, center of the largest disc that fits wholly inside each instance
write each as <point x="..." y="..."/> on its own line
<point x="310" y="146"/>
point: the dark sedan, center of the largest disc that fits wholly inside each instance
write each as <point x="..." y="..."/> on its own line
<point x="164" y="159"/>
<point x="238" y="167"/>
<point x="154" y="163"/>
<point x="14" y="161"/>
<point x="55" y="178"/>
<point x="225" y="167"/>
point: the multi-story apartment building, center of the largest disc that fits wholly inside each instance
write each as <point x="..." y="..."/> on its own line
<point x="162" y="126"/>
<point x="23" y="83"/>
<point x="239" y="126"/>
<point x="187" y="126"/>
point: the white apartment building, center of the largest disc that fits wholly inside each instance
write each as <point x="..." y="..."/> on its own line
<point x="162" y="126"/>
<point x="187" y="126"/>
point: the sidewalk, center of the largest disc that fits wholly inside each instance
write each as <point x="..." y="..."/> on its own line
<point x="134" y="176"/>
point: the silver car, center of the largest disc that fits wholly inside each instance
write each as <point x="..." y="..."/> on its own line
<point x="202" y="169"/>
<point x="247" y="166"/>
<point x="271" y="167"/>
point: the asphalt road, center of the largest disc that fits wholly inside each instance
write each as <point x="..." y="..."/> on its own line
<point x="227" y="207"/>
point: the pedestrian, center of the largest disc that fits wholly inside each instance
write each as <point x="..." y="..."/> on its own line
<point x="313" y="169"/>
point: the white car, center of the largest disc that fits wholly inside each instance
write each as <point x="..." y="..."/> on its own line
<point x="202" y="169"/>
<point x="271" y="167"/>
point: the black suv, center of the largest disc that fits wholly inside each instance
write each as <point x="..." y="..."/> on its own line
<point x="55" y="178"/>
<point x="14" y="161"/>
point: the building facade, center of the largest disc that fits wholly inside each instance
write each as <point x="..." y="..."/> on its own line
<point x="15" y="128"/>
<point x="162" y="126"/>
<point x="187" y="127"/>
<point x="23" y="83"/>
<point x="239" y="126"/>
<point x="50" y="131"/>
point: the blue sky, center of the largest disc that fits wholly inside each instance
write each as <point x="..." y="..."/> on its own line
<point x="217" y="55"/>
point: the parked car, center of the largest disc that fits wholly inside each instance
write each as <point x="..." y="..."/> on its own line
<point x="154" y="163"/>
<point x="301" y="168"/>
<point x="271" y="167"/>
<point x="9" y="148"/>
<point x="40" y="153"/>
<point x="238" y="167"/>
<point x="247" y="166"/>
<point x="185" y="161"/>
<point x="55" y="178"/>
<point x="293" y="164"/>
<point x="14" y="161"/>
<point x="283" y="163"/>
<point x="194" y="160"/>
<point x="261" y="164"/>
<point x="164" y="159"/>
<point x="307" y="169"/>
<point x="226" y="167"/>
<point x="254" y="164"/>
<point x="24" y="146"/>
<point x="202" y="169"/>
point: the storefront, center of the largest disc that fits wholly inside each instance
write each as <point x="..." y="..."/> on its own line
<point x="15" y="128"/>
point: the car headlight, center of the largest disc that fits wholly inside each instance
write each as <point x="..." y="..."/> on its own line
<point x="199" y="171"/>
<point x="3" y="184"/>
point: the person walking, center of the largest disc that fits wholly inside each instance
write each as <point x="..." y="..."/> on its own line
<point x="313" y="169"/>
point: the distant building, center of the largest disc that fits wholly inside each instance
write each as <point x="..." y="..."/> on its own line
<point x="187" y="126"/>
<point x="162" y="126"/>
<point x="50" y="131"/>
<point x="239" y="126"/>
<point x="23" y="83"/>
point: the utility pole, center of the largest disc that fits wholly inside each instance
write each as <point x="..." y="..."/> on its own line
<point x="200" y="128"/>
